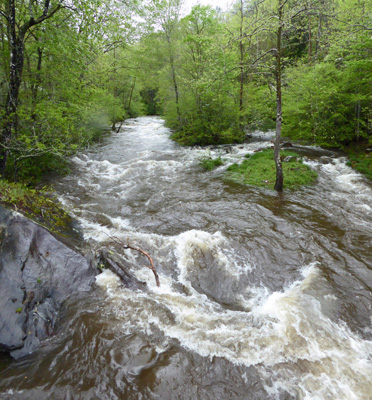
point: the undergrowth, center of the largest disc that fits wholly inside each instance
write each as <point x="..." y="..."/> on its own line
<point x="36" y="205"/>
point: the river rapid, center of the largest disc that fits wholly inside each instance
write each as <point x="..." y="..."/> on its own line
<point x="262" y="296"/>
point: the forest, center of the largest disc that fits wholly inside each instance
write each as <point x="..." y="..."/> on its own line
<point x="70" y="70"/>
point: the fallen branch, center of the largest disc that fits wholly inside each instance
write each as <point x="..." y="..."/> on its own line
<point x="115" y="264"/>
<point x="118" y="130"/>
<point x="128" y="246"/>
<point x="153" y="269"/>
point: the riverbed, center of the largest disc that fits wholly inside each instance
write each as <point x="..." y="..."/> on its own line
<point x="262" y="295"/>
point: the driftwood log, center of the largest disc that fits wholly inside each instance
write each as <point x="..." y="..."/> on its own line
<point x="115" y="263"/>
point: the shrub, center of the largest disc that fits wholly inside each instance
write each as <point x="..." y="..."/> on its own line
<point x="209" y="163"/>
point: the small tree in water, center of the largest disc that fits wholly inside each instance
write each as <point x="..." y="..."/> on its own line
<point x="297" y="8"/>
<point x="278" y="131"/>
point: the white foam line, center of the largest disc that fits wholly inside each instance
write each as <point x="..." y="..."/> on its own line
<point x="285" y="330"/>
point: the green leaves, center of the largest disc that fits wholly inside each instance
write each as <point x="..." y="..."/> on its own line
<point x="74" y="84"/>
<point x="329" y="103"/>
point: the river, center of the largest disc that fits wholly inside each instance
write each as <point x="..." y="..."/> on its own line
<point x="262" y="296"/>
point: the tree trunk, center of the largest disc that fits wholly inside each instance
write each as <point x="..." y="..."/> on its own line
<point x="131" y="94"/>
<point x="36" y="85"/>
<point x="241" y="94"/>
<point x="175" y="85"/>
<point x="176" y="91"/>
<point x="16" y="48"/>
<point x="278" y="164"/>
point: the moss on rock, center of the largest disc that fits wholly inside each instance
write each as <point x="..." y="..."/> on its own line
<point x="36" y="205"/>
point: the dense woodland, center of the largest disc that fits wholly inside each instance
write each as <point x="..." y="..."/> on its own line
<point x="69" y="69"/>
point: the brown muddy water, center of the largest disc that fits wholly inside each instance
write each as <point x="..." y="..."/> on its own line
<point x="262" y="296"/>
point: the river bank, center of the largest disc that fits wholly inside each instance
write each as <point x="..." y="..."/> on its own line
<point x="360" y="159"/>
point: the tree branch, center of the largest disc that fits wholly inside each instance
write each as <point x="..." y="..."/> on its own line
<point x="128" y="246"/>
<point x="32" y="21"/>
<point x="4" y="15"/>
<point x="153" y="269"/>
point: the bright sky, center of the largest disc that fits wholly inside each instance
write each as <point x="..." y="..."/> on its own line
<point x="224" y="4"/>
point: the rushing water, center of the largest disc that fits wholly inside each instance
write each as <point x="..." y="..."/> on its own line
<point x="262" y="296"/>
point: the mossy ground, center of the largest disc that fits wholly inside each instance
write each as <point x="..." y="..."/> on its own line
<point x="259" y="170"/>
<point x="35" y="204"/>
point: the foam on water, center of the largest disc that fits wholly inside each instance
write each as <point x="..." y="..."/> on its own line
<point x="190" y="244"/>
<point x="343" y="176"/>
<point x="285" y="334"/>
<point x="350" y="196"/>
<point x="294" y="346"/>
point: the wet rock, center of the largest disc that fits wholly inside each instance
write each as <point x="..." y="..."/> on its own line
<point x="228" y="149"/>
<point x="287" y="144"/>
<point x="325" y="160"/>
<point x="37" y="273"/>
<point x="210" y="277"/>
<point x="290" y="159"/>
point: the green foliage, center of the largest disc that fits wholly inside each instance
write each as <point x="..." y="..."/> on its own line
<point x="259" y="170"/>
<point x="74" y="84"/>
<point x="31" y="170"/>
<point x="260" y="108"/>
<point x="151" y="101"/>
<point x="209" y="163"/>
<point x="197" y="94"/>
<point x="35" y="204"/>
<point x="362" y="162"/>
<point x="211" y="75"/>
<point x="202" y="135"/>
<point x="328" y="104"/>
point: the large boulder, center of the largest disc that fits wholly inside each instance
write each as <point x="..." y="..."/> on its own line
<point x="37" y="274"/>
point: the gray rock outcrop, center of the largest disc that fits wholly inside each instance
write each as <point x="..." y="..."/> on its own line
<point x="37" y="274"/>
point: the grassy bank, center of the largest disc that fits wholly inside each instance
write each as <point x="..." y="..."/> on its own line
<point x="361" y="161"/>
<point x="259" y="170"/>
<point x="35" y="204"/>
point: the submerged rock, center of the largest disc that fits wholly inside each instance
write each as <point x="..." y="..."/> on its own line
<point x="37" y="273"/>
